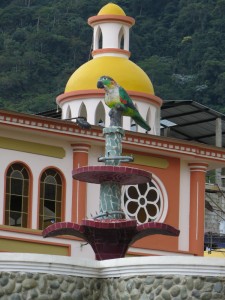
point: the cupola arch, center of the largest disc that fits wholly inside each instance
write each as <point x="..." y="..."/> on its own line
<point x="97" y="39"/>
<point x="100" y="114"/>
<point x="68" y="113"/>
<point x="148" y="116"/>
<point x="83" y="111"/>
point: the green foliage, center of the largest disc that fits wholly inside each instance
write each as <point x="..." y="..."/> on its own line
<point x="180" y="44"/>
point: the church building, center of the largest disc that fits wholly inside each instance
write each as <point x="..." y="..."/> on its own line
<point x="39" y="153"/>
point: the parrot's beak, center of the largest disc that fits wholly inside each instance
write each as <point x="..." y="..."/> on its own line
<point x="100" y="85"/>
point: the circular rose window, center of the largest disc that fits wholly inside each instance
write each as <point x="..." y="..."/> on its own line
<point x="146" y="202"/>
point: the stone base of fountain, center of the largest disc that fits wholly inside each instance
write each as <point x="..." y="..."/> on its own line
<point x="109" y="238"/>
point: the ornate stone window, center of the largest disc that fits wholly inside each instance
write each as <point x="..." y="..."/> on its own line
<point x="146" y="202"/>
<point x="50" y="210"/>
<point x="17" y="196"/>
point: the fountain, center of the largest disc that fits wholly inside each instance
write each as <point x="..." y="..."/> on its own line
<point x="109" y="233"/>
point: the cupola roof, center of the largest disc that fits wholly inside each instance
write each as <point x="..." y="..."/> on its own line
<point x="111" y="9"/>
<point x="110" y="56"/>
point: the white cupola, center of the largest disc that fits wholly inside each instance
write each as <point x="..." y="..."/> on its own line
<point x="111" y="32"/>
<point x="111" y="55"/>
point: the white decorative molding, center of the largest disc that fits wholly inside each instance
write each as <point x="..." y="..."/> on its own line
<point x="130" y="266"/>
<point x="184" y="207"/>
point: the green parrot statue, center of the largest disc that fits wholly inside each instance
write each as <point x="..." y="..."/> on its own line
<point x="115" y="94"/>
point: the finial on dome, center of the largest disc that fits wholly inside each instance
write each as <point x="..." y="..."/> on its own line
<point x="111" y="9"/>
<point x="111" y="12"/>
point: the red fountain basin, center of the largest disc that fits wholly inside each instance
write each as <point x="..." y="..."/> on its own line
<point x="109" y="238"/>
<point x="119" y="174"/>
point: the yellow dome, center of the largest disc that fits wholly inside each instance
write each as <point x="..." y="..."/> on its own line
<point x="123" y="71"/>
<point x="111" y="9"/>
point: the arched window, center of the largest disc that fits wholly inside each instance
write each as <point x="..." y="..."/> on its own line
<point x="68" y="113"/>
<point x="121" y="39"/>
<point x="82" y="111"/>
<point x="100" y="115"/>
<point x="148" y="118"/>
<point x="133" y="125"/>
<point x="50" y="210"/>
<point x="98" y="39"/>
<point x="17" y="196"/>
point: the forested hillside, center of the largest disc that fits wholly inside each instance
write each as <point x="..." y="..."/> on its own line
<point x="179" y="43"/>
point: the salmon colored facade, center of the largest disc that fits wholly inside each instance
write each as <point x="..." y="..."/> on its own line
<point x="178" y="170"/>
<point x="79" y="199"/>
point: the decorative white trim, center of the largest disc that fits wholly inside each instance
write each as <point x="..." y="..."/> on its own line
<point x="184" y="207"/>
<point x="164" y="200"/>
<point x="130" y="266"/>
<point x="151" y="252"/>
<point x="197" y="210"/>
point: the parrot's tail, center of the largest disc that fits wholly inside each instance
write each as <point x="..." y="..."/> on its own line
<point x="141" y="122"/>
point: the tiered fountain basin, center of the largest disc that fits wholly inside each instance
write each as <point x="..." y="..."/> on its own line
<point x="110" y="237"/>
<point x="119" y="174"/>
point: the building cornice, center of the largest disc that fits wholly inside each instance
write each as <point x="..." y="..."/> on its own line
<point x="87" y="94"/>
<point x="136" y="141"/>
<point x="92" y="21"/>
<point x="111" y="51"/>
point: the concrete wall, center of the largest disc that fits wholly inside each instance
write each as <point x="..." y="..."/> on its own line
<point x="44" y="277"/>
<point x="18" y="286"/>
